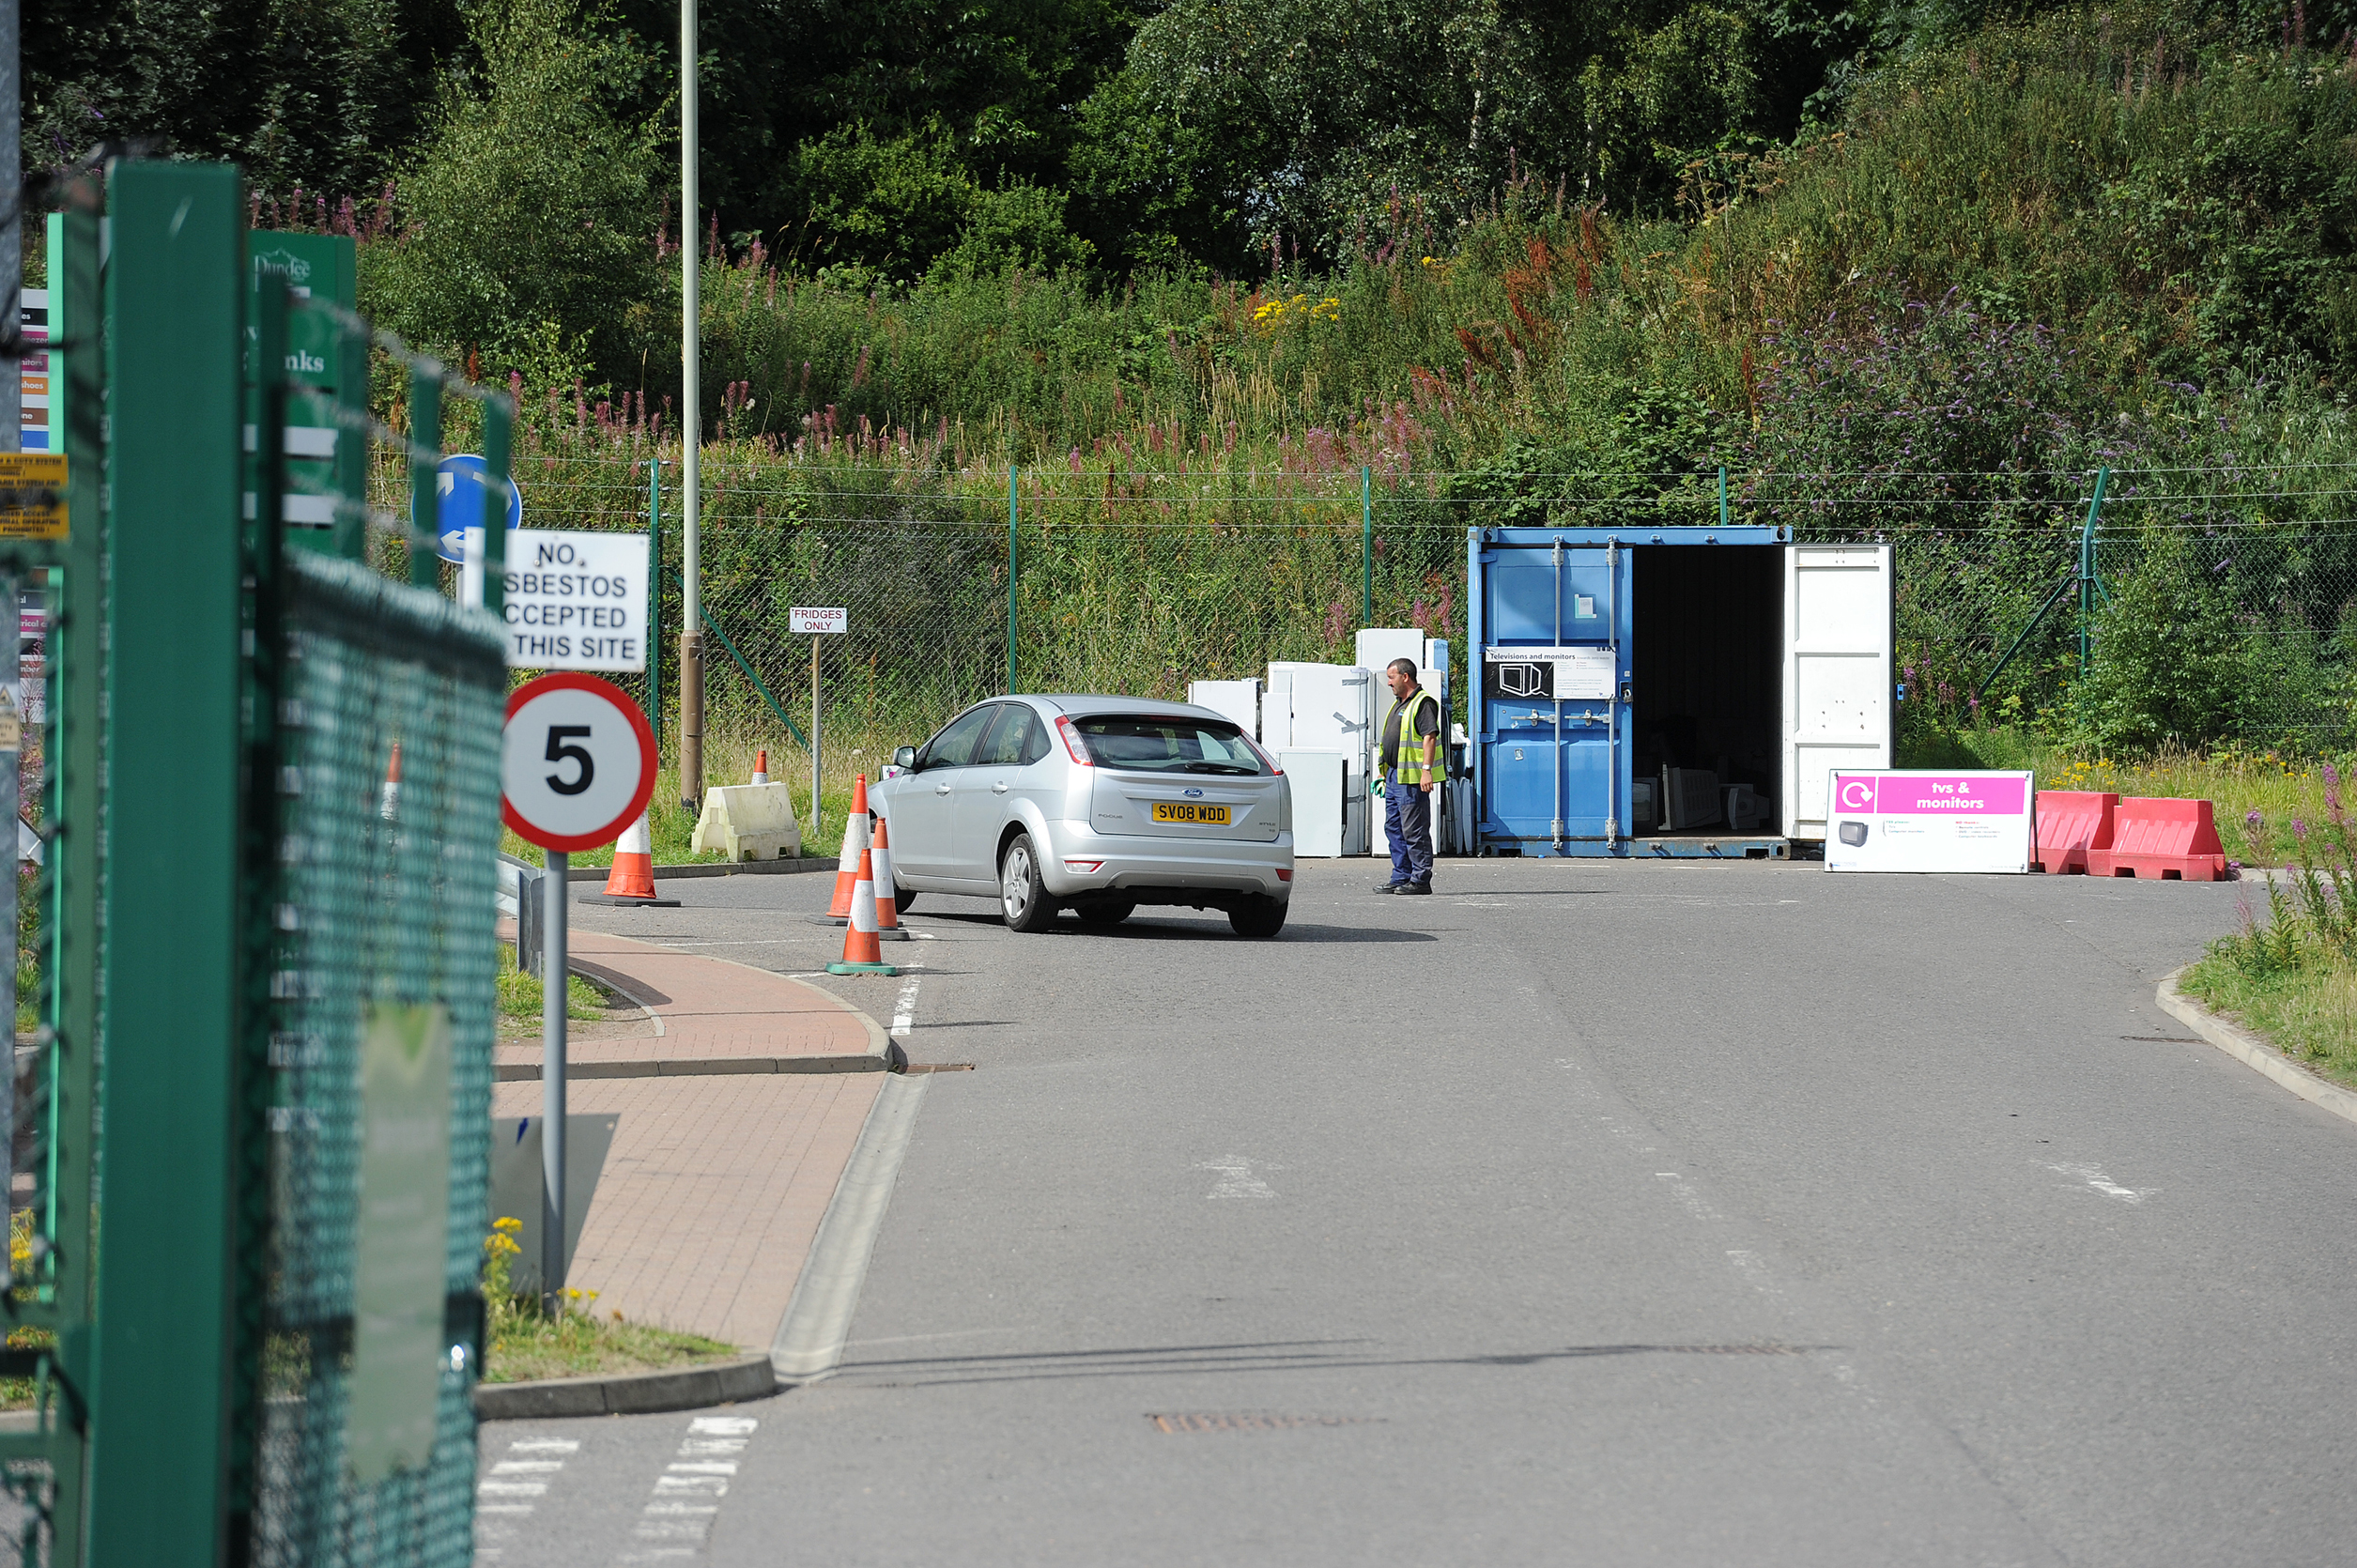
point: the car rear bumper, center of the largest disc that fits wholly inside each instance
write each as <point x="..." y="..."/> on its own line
<point x="1166" y="871"/>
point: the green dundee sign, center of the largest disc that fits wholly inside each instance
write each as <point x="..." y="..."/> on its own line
<point x="325" y="461"/>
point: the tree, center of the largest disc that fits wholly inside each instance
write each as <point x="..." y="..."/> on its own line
<point x="529" y="219"/>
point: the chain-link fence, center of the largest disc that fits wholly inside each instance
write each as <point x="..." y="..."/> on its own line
<point x="380" y="1032"/>
<point x="2209" y="606"/>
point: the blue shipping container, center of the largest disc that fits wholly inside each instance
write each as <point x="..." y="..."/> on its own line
<point x="1631" y="688"/>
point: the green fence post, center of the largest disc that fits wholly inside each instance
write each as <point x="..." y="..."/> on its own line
<point x="654" y="601"/>
<point x="426" y="446"/>
<point x="2087" y="564"/>
<point x="160" y="1430"/>
<point x="1014" y="512"/>
<point x="1366" y="545"/>
<point x="497" y="418"/>
<point x="1722" y="495"/>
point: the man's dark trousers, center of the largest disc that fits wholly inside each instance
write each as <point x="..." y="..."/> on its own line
<point x="1408" y="823"/>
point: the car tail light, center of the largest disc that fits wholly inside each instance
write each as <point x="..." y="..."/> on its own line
<point x="1073" y="743"/>
<point x="1283" y="875"/>
<point x="1084" y="866"/>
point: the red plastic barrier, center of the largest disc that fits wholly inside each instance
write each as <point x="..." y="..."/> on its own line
<point x="2073" y="824"/>
<point x="2173" y="839"/>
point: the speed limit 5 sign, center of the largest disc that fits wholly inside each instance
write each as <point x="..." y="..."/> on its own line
<point x="578" y="762"/>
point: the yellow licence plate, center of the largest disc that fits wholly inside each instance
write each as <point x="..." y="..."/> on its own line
<point x="1186" y="811"/>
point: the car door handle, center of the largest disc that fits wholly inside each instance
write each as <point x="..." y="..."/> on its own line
<point x="941" y="789"/>
<point x="999" y="788"/>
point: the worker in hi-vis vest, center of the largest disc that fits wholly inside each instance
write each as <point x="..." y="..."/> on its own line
<point x="1411" y="766"/>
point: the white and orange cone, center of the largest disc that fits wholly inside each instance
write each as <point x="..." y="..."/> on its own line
<point x="888" y="927"/>
<point x="760" y="766"/>
<point x="861" y="954"/>
<point x="633" y="876"/>
<point x="388" y="803"/>
<point x="855" y="845"/>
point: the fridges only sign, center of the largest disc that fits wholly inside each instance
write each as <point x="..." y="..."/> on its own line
<point x="1931" y="822"/>
<point x="576" y="601"/>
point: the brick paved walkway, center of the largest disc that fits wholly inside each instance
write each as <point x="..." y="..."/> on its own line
<point x="713" y="1016"/>
<point x="712" y="1194"/>
<point x="735" y="1122"/>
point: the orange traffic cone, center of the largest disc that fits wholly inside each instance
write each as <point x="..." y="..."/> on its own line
<point x="861" y="956"/>
<point x="761" y="767"/>
<point x="888" y="927"/>
<point x="632" y="880"/>
<point x="855" y="845"/>
<point x="388" y="803"/>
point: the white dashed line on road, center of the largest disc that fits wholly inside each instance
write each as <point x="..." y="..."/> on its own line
<point x="904" y="1011"/>
<point x="513" y="1487"/>
<point x="1237" y="1180"/>
<point x="676" y="1521"/>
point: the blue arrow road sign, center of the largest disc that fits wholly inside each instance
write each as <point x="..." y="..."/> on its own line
<point x="458" y="486"/>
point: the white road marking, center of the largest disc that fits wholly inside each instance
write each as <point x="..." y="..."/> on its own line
<point x="2093" y="1176"/>
<point x="501" y="1495"/>
<point x="904" y="1011"/>
<point x="688" y="1494"/>
<point x="1237" y="1180"/>
<point x="1687" y="1198"/>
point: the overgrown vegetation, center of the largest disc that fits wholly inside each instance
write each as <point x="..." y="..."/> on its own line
<point x="2293" y="977"/>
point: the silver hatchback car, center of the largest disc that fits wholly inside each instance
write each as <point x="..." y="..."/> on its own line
<point x="1095" y="804"/>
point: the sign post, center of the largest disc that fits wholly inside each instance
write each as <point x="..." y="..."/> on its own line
<point x="817" y="624"/>
<point x="577" y="766"/>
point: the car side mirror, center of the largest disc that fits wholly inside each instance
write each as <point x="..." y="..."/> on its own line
<point x="905" y="758"/>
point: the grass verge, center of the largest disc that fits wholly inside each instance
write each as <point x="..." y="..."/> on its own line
<point x="521" y="995"/>
<point x="527" y="1344"/>
<point x="2308" y="1012"/>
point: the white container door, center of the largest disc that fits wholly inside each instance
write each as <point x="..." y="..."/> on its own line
<point x="1840" y="629"/>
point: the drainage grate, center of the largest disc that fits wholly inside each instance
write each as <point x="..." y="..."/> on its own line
<point x="1248" y="1422"/>
<point x="939" y="1067"/>
<point x="2167" y="1039"/>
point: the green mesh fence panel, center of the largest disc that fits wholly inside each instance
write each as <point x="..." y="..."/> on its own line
<point x="387" y="898"/>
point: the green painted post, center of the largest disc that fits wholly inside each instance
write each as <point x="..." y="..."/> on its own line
<point x="163" y="1393"/>
<point x="68" y="1276"/>
<point x="1366" y="545"/>
<point x="499" y="418"/>
<point x="1722" y="496"/>
<point x="1014" y="512"/>
<point x="654" y="601"/>
<point x="426" y="446"/>
<point x="2086" y="565"/>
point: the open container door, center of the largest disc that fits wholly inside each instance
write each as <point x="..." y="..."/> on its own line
<point x="1841" y="628"/>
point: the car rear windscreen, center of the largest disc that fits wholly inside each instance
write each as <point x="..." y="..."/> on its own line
<point x="1151" y="743"/>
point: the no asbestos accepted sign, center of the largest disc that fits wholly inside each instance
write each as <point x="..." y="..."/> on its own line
<point x="578" y="762"/>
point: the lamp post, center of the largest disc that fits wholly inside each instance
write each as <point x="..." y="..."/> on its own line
<point x="691" y="660"/>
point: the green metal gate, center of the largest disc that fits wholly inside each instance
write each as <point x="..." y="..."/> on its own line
<point x="267" y="966"/>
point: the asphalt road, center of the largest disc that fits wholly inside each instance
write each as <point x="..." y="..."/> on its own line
<point x="1582" y="1214"/>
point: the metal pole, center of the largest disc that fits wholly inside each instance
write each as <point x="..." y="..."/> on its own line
<point x="691" y="610"/>
<point x="13" y="232"/>
<point x="1722" y="495"/>
<point x="814" y="741"/>
<point x="425" y="445"/>
<point x="1014" y="511"/>
<point x="499" y="415"/>
<point x="553" y="984"/>
<point x="1366" y="545"/>
<point x="2087" y="564"/>
<point x="654" y="602"/>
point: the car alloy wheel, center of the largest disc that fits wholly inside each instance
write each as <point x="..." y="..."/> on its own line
<point x="1020" y="893"/>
